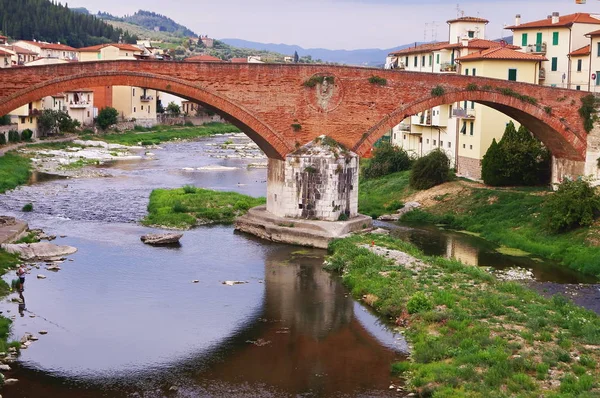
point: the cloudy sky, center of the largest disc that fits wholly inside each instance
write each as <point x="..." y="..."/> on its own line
<point x="337" y="24"/>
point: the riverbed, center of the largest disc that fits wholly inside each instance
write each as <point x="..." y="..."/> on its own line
<point x="125" y="319"/>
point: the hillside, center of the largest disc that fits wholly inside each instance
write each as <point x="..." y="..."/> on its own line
<point x="151" y="21"/>
<point x="364" y="57"/>
<point x="47" y="21"/>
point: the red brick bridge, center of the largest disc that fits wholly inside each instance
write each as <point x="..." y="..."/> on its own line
<point x="284" y="106"/>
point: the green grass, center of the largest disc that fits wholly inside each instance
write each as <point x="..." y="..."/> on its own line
<point x="160" y="134"/>
<point x="466" y="328"/>
<point x="53" y="145"/>
<point x="14" y="171"/>
<point x="383" y="195"/>
<point x="188" y="206"/>
<point x="513" y="220"/>
<point x="80" y="163"/>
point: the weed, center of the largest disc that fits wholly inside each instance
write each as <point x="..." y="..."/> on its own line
<point x="438" y="91"/>
<point x="472" y="87"/>
<point x="28" y="207"/>
<point x="297" y="127"/>
<point x="379" y="81"/>
<point x="588" y="111"/>
<point x="314" y="80"/>
<point x="548" y="109"/>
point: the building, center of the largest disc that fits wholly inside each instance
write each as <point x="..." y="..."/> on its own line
<point x="112" y="52"/>
<point x="49" y="50"/>
<point x="25" y="117"/>
<point x="557" y="37"/>
<point x="5" y="58"/>
<point x="207" y="41"/>
<point x="462" y="130"/>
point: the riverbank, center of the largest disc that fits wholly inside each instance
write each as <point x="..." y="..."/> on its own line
<point x="470" y="333"/>
<point x="186" y="207"/>
<point x="14" y="171"/>
<point x="506" y="216"/>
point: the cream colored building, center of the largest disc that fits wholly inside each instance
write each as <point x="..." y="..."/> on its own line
<point x="26" y="116"/>
<point x="49" y="50"/>
<point x="5" y="59"/>
<point x="111" y="52"/>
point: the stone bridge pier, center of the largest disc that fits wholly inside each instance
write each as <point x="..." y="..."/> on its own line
<point x="312" y="197"/>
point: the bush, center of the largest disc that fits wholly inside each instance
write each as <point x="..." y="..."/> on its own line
<point x="107" y="117"/>
<point x="28" y="207"/>
<point x="438" y="91"/>
<point x="189" y="189"/>
<point x="188" y="124"/>
<point x="419" y="303"/>
<point x="3" y="141"/>
<point x="377" y="80"/>
<point x="387" y="159"/>
<point x="26" y="135"/>
<point x="574" y="204"/>
<point x="14" y="136"/>
<point x="430" y="170"/>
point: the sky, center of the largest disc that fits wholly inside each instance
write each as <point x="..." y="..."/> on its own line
<point x="338" y="24"/>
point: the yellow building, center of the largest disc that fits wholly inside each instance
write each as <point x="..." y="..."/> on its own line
<point x="26" y="116"/>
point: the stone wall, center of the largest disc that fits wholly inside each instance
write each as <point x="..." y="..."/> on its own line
<point x="313" y="186"/>
<point x="469" y="168"/>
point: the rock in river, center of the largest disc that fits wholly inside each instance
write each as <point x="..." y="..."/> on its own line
<point x="161" y="239"/>
<point x="38" y="251"/>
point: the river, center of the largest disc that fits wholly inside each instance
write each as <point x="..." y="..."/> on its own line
<point x="125" y="320"/>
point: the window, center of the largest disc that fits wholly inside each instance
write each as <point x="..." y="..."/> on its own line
<point x="449" y="144"/>
<point x="474" y="72"/>
<point x="471" y="34"/>
<point x="465" y="104"/>
<point x="134" y="108"/>
<point x="88" y="113"/>
<point x="598" y="53"/>
<point x="554" y="64"/>
<point x="404" y="136"/>
<point x="578" y="88"/>
<point x="423" y="60"/>
<point x="467" y="72"/>
<point x="579" y="62"/>
<point x="434" y="142"/>
<point x="148" y="108"/>
<point x="463" y="130"/>
<point x="450" y="111"/>
<point x="470" y="146"/>
<point x="597" y="78"/>
<point x="22" y="120"/>
<point x="30" y="120"/>
<point x="420" y="140"/>
<point x="472" y="104"/>
<point x="416" y="61"/>
<point x="464" y="146"/>
<point x="406" y="61"/>
<point x="142" y="107"/>
<point x="512" y="75"/>
<point x="428" y="140"/>
<point x="524" y="39"/>
<point x="471" y="124"/>
<point x="555" y="38"/>
<point x="538" y="39"/>
<point x="441" y="143"/>
<point x="430" y="60"/>
<point x="134" y="91"/>
<point x="437" y="59"/>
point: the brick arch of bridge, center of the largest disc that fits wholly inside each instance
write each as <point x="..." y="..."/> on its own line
<point x="555" y="133"/>
<point x="269" y="140"/>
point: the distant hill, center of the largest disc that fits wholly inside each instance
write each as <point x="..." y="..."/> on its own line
<point x="151" y="21"/>
<point x="364" y="57"/>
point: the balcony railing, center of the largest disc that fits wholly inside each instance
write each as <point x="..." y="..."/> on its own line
<point x="539" y="48"/>
<point x="448" y="67"/>
<point x="146" y="98"/>
<point x="404" y="127"/>
<point x="34" y="112"/>
<point x="464" y="113"/>
<point x="78" y="105"/>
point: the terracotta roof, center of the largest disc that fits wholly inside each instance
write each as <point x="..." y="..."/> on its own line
<point x="502" y="53"/>
<point x="239" y="60"/>
<point x="4" y="53"/>
<point x="563" y="21"/>
<point x="50" y="46"/>
<point x="124" y="47"/>
<point x="204" y="58"/>
<point x="485" y="44"/>
<point x="583" y="51"/>
<point x="594" y="33"/>
<point x="21" y="50"/>
<point x="421" y="48"/>
<point x="468" y="19"/>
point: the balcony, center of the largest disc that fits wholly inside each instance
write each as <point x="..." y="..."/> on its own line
<point x="536" y="48"/>
<point x="542" y="74"/>
<point x="464" y="113"/>
<point x="34" y="112"/>
<point x="448" y="67"/>
<point x="404" y="127"/>
<point x="146" y="98"/>
<point x="78" y="105"/>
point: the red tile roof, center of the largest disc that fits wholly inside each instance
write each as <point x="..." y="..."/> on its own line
<point x="583" y="51"/>
<point x="594" y="33"/>
<point x="481" y="44"/>
<point x="124" y="47"/>
<point x="421" y="48"/>
<point x="50" y="46"/>
<point x="5" y="53"/>
<point x="468" y="19"/>
<point x="21" y="50"/>
<point x="502" y="53"/>
<point x="239" y="60"/>
<point x="204" y="58"/>
<point x="563" y="21"/>
<point x="485" y="44"/>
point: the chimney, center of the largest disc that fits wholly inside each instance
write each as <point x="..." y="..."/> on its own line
<point x="465" y="42"/>
<point x="518" y="20"/>
<point x="555" y="17"/>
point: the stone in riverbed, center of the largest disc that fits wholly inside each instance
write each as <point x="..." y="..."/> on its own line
<point x="43" y="332"/>
<point x="38" y="251"/>
<point x="161" y="239"/>
<point x="40" y="276"/>
<point x="4" y="367"/>
<point x="231" y="283"/>
<point x="8" y="382"/>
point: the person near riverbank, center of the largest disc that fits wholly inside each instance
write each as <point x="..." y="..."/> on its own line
<point x="21" y="274"/>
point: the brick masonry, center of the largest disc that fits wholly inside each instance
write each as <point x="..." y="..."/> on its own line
<point x="469" y="168"/>
<point x="279" y="113"/>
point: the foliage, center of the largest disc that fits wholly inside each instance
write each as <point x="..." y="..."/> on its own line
<point x="53" y="22"/>
<point x="438" y="91"/>
<point x="4" y="120"/>
<point x="472" y="87"/>
<point x="387" y="159"/>
<point x="382" y="195"/>
<point x="314" y="80"/>
<point x="3" y="140"/>
<point x="430" y="170"/>
<point x="173" y="109"/>
<point x="588" y="111"/>
<point x="28" y="207"/>
<point x="51" y="122"/>
<point x="14" y="136"/>
<point x="296" y="126"/>
<point x="377" y="80"/>
<point x="160" y="134"/>
<point x="518" y="159"/>
<point x="548" y="109"/>
<point x="26" y="135"/>
<point x="107" y="117"/>
<point x="511" y="93"/>
<point x="14" y="171"/>
<point x="159" y="106"/>
<point x="464" y="339"/>
<point x="574" y="204"/>
<point x="150" y="20"/>
<point x="182" y="208"/>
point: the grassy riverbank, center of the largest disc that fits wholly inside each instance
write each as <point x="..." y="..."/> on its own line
<point x="472" y="335"/>
<point x="14" y="171"/>
<point x="7" y="264"/>
<point x="383" y="195"/>
<point x="189" y="206"/>
<point x="158" y="134"/>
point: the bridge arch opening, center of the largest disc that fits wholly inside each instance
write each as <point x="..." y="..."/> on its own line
<point x="268" y="139"/>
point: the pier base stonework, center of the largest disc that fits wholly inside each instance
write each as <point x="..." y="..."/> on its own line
<point x="319" y="181"/>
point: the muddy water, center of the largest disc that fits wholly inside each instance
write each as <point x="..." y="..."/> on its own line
<point x="124" y="319"/>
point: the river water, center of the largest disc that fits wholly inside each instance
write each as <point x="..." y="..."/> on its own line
<point x="125" y="320"/>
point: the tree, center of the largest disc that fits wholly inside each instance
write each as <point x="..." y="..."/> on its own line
<point x="296" y="57"/>
<point x="159" y="106"/>
<point x="492" y="165"/>
<point x="387" y="159"/>
<point x="574" y="204"/>
<point x="173" y="109"/>
<point x="52" y="122"/>
<point x="107" y="117"/>
<point x="430" y="170"/>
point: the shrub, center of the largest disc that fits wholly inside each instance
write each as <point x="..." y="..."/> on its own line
<point x="296" y="126"/>
<point x="26" y="135"/>
<point x="189" y="189"/>
<point x="438" y="91"/>
<point x="380" y="81"/>
<point x="472" y="87"/>
<point x="3" y="142"/>
<point x="343" y="217"/>
<point x="188" y="124"/>
<point x="14" y="136"/>
<point x="387" y="159"/>
<point x="419" y="303"/>
<point x="173" y="109"/>
<point x="430" y="170"/>
<point x="107" y="117"/>
<point x="28" y="207"/>
<point x="314" y="80"/>
<point x="574" y="204"/>
<point x="548" y="109"/>
<point x="179" y="207"/>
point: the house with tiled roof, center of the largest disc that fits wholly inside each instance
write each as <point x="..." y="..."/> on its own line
<point x="49" y="50"/>
<point x="109" y="51"/>
<point x="558" y="38"/>
<point x="5" y="59"/>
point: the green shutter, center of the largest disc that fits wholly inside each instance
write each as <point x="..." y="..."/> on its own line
<point x="474" y="72"/>
<point x="554" y="64"/>
<point x="555" y="38"/>
<point x="512" y="75"/>
<point x="437" y="59"/>
<point x="599" y="49"/>
<point x="579" y="63"/>
<point x="430" y="59"/>
<point x="524" y="39"/>
<point x="538" y="38"/>
<point x="467" y="72"/>
<point x="471" y="128"/>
